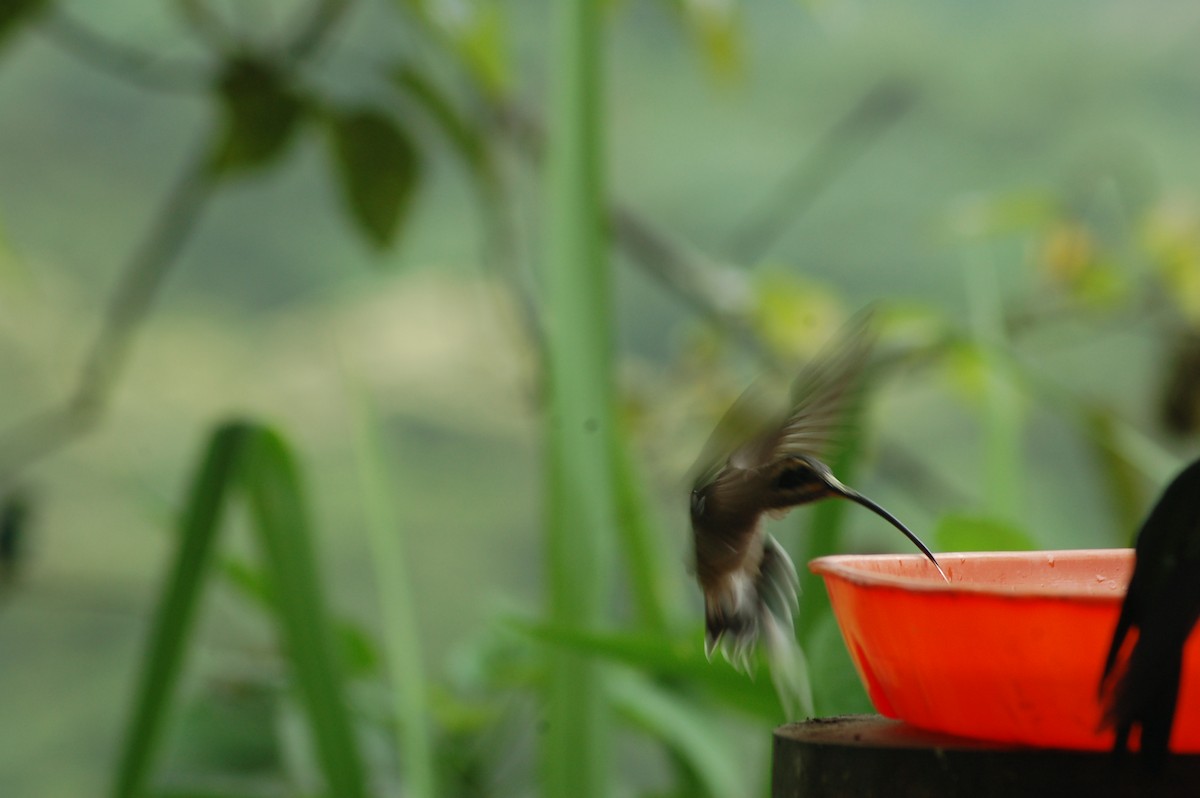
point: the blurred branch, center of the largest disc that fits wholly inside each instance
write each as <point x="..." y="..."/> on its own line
<point x="842" y="143"/>
<point x="902" y="466"/>
<point x="27" y="442"/>
<point x="323" y="18"/>
<point x="44" y="433"/>
<point x="141" y="68"/>
<point x="709" y="289"/>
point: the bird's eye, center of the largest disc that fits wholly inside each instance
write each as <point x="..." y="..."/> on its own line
<point x="794" y="475"/>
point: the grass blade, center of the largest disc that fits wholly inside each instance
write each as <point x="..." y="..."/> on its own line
<point x="683" y="728"/>
<point x="176" y="611"/>
<point x="397" y="606"/>
<point x="1002" y="416"/>
<point x="277" y="506"/>
<point x="679" y="660"/>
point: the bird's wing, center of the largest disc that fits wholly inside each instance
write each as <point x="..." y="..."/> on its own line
<point x="822" y="390"/>
<point x="739" y="435"/>
<point x="755" y="433"/>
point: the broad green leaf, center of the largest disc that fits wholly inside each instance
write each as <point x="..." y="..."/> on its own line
<point x="980" y="533"/>
<point x="15" y="12"/>
<point x="680" y="725"/>
<point x="378" y="168"/>
<point x="261" y="112"/>
<point x="672" y="658"/>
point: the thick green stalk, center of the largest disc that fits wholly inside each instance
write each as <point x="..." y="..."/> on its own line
<point x="580" y="421"/>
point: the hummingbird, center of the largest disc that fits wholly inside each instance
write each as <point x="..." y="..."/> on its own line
<point x="1163" y="604"/>
<point x="759" y="463"/>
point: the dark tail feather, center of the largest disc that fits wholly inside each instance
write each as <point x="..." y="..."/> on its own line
<point x="1145" y="694"/>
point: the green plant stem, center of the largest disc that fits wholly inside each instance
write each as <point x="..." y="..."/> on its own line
<point x="580" y="516"/>
<point x="1001" y="410"/>
<point x="398" y="606"/>
<point x="640" y="541"/>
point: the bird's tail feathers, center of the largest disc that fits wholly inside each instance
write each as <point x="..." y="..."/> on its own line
<point x="759" y="609"/>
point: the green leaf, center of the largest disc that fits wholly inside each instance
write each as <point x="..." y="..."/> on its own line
<point x="378" y="168"/>
<point x="666" y="657"/>
<point x="278" y="510"/>
<point x="682" y="727"/>
<point x="13" y="13"/>
<point x="980" y="533"/>
<point x="258" y="462"/>
<point x="262" y="112"/>
<point x="175" y="612"/>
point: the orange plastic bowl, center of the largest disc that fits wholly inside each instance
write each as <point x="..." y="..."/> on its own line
<point x="1010" y="650"/>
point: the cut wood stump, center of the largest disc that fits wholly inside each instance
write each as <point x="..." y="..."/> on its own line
<point x="869" y="756"/>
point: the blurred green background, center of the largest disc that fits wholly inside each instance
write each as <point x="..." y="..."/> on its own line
<point x="1013" y="183"/>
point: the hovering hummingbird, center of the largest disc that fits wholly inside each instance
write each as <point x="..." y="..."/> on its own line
<point x="757" y="463"/>
<point x="1163" y="604"/>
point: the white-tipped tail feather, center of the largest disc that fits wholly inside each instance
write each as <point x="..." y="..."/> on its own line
<point x="757" y="608"/>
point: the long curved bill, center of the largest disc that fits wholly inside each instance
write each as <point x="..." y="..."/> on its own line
<point x="858" y="498"/>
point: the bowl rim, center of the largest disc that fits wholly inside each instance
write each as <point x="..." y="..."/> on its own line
<point x="843" y="567"/>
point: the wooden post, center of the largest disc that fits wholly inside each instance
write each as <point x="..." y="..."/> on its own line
<point x="868" y="756"/>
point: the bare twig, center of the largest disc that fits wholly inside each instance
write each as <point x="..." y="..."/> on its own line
<point x="316" y="29"/>
<point x="143" y="69"/>
<point x="44" y="433"/>
<point x="842" y="143"/>
<point x="29" y="441"/>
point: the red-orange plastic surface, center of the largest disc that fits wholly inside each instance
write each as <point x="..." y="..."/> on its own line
<point x="1010" y="649"/>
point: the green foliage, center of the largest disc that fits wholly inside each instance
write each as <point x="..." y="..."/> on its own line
<point x="261" y="114"/>
<point x="591" y="664"/>
<point x="377" y="166"/>
<point x="14" y="13"/>
<point x="255" y="462"/>
<point x="975" y="533"/>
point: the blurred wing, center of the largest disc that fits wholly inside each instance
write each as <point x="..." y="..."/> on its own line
<point x="822" y="389"/>
<point x="752" y="419"/>
<point x="753" y="433"/>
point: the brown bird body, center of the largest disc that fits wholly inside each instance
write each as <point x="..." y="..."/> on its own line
<point x="757" y="464"/>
